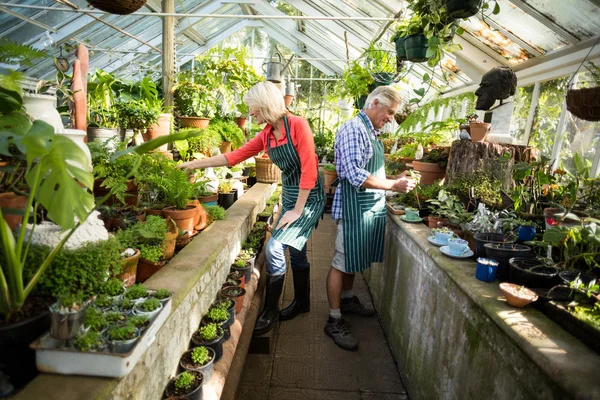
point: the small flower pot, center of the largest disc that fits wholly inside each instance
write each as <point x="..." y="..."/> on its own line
<point x="147" y="268"/>
<point x="226" y="200"/>
<point x="129" y="269"/>
<point x="225" y="147"/>
<point x="231" y="311"/>
<point x="123" y="346"/>
<point x="238" y="275"/>
<point x="502" y="252"/>
<point x="531" y="273"/>
<point x="195" y="392"/>
<point x="488" y="237"/>
<point x="65" y="326"/>
<point x="207" y="369"/>
<point x="430" y="172"/>
<point x="479" y="131"/>
<point x="215" y="344"/>
<point x="517" y="296"/>
<point x="236" y="294"/>
<point x="224" y="326"/>
<point x="247" y="270"/>
<point x="183" y="218"/>
<point x="149" y="314"/>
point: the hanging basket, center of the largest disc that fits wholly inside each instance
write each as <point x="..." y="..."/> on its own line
<point x="266" y="171"/>
<point x="121" y="7"/>
<point x="584" y="103"/>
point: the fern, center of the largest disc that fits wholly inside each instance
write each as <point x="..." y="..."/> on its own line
<point x="11" y="52"/>
<point x="421" y="115"/>
<point x="173" y="187"/>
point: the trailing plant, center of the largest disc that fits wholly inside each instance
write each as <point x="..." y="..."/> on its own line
<point x="354" y="82"/>
<point x="200" y="355"/>
<point x="149" y="305"/>
<point x="122" y="333"/>
<point x="216" y="212"/>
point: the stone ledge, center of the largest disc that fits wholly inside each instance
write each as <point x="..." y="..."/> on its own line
<point x="194" y="276"/>
<point x="456" y="336"/>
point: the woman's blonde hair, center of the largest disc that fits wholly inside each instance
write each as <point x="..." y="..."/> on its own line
<point x="267" y="97"/>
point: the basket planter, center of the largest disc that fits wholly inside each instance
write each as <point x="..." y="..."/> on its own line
<point x="129" y="269"/>
<point x="430" y="172"/>
<point x="400" y="49"/>
<point x="462" y="8"/>
<point x="184" y="219"/>
<point x="584" y="103"/>
<point x="266" y="171"/>
<point x="194" y="122"/>
<point x="206" y="370"/>
<point x="479" y="131"/>
<point x="504" y="252"/>
<point x="118" y="7"/>
<point x="234" y="293"/>
<point x="9" y="202"/>
<point x="146" y="269"/>
<point x="517" y="296"/>
<point x="161" y="128"/>
<point x="416" y="48"/>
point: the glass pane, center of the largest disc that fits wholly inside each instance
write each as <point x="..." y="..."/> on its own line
<point x="522" y="102"/>
<point x="547" y="115"/>
<point x="581" y="137"/>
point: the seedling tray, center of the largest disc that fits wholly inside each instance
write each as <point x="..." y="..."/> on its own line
<point x="52" y="357"/>
<point x="393" y="210"/>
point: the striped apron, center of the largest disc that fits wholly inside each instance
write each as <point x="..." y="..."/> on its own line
<point x="363" y="215"/>
<point x="287" y="159"/>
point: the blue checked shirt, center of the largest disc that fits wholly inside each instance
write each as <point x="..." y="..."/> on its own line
<point x="353" y="150"/>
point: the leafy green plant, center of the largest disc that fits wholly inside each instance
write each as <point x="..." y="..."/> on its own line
<point x="162" y="294"/>
<point x="127" y="304"/>
<point x="224" y="304"/>
<point x="204" y="143"/>
<point x="241" y="263"/>
<point x="122" y="333"/>
<point x="95" y="319"/>
<point x="194" y="100"/>
<point x="218" y="315"/>
<point x="450" y="206"/>
<point x="139" y="321"/>
<point x="104" y="301"/>
<point x="172" y="188"/>
<point x="478" y="186"/>
<point x="115" y="317"/>
<point x="112" y="287"/>
<point x="13" y="53"/>
<point x="184" y="383"/>
<point x="101" y="99"/>
<point x="209" y="332"/>
<point x="330" y="168"/>
<point x="137" y="291"/>
<point x="200" y="355"/>
<point x="89" y="342"/>
<point x="246" y="255"/>
<point x="137" y="115"/>
<point x="229" y="132"/>
<point x="575" y="246"/>
<point x="147" y="236"/>
<point x="225" y="187"/>
<point x="437" y="156"/>
<point x="149" y="305"/>
<point x="216" y="212"/>
<point x="354" y="82"/>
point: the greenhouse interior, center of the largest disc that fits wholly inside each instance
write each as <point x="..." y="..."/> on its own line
<point x="299" y="199"/>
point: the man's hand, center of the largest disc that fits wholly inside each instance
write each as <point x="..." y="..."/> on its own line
<point x="288" y="218"/>
<point x="404" y="185"/>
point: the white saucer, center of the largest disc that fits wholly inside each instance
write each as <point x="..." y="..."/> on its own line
<point x="412" y="221"/>
<point x="446" y="251"/>
<point x="434" y="242"/>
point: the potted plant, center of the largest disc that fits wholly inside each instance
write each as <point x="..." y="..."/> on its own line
<point x="249" y="256"/>
<point x="266" y="214"/>
<point x="115" y="317"/>
<point x="226" y="194"/>
<point x="227" y="305"/>
<point x="67" y="316"/>
<point x="103" y="119"/>
<point x="113" y="288"/>
<point x="129" y="264"/>
<point x="141" y="322"/>
<point x="174" y="190"/>
<point x="199" y="359"/>
<point x="122" y="338"/>
<point x="163" y="295"/>
<point x="137" y="115"/>
<point x="210" y="336"/>
<point x="533" y="273"/>
<point x="220" y="317"/>
<point x="148" y="308"/>
<point x="235" y="293"/>
<point x="194" y="104"/>
<point x="91" y="341"/>
<point x="244" y="266"/>
<point x="126" y="306"/>
<point x="231" y="135"/>
<point x="354" y="84"/>
<point x="95" y="321"/>
<point x="104" y="303"/>
<point x="432" y="166"/>
<point x="203" y="195"/>
<point x="330" y="175"/>
<point x="243" y="110"/>
<point x="187" y="384"/>
<point x="503" y="252"/>
<point x="136" y="293"/>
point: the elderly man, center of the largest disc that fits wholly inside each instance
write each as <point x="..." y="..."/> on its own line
<point x="359" y="208"/>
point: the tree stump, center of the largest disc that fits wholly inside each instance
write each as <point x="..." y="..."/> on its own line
<point x="467" y="157"/>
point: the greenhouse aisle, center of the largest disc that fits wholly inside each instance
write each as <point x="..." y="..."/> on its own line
<point x="306" y="364"/>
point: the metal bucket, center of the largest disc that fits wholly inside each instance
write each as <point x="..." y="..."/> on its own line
<point x="65" y="326"/>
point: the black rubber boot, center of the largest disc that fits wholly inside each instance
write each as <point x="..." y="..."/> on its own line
<point x="270" y="312"/>
<point x="301" y="303"/>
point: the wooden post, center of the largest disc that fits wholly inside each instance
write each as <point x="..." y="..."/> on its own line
<point x="168" y="51"/>
<point x="466" y="157"/>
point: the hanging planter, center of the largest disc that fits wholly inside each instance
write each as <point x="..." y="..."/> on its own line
<point x="462" y="8"/>
<point x="194" y="122"/>
<point x="416" y="48"/>
<point x="400" y="49"/>
<point x="122" y="7"/>
<point x="584" y="103"/>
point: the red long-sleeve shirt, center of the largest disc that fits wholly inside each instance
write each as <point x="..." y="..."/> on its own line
<point x="302" y="139"/>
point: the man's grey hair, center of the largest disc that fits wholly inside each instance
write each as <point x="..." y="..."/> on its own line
<point x="386" y="95"/>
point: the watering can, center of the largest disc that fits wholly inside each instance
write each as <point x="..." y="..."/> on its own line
<point x="273" y="69"/>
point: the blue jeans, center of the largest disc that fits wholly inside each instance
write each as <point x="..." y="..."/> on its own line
<point x="275" y="257"/>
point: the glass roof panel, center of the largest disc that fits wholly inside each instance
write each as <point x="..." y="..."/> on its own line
<point x="209" y="27"/>
<point x="579" y="17"/>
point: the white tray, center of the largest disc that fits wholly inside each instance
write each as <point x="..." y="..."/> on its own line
<point x="49" y="357"/>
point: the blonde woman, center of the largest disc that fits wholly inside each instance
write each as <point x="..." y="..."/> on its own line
<point x="289" y="142"/>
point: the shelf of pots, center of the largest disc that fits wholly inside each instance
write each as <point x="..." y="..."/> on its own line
<point x="105" y="337"/>
<point x="194" y="104"/>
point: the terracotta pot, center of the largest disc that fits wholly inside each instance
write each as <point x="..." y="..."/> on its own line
<point x="479" y="131"/>
<point x="239" y="299"/>
<point x="194" y="122"/>
<point x="433" y="221"/>
<point x="183" y="218"/>
<point x="154" y="212"/>
<point x="430" y="172"/>
<point x="241" y="122"/>
<point x="201" y="216"/>
<point x="145" y="269"/>
<point x="330" y="177"/>
<point x="161" y="128"/>
<point x="516" y="295"/>
<point x="288" y="98"/>
<point x="209" y="199"/>
<point x="170" y="239"/>
<point x="225" y="147"/>
<point x="129" y="269"/>
<point x="11" y="200"/>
